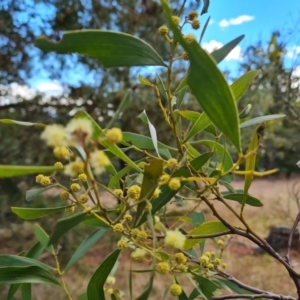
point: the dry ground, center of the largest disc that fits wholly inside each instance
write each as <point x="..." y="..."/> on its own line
<point x="261" y="271"/>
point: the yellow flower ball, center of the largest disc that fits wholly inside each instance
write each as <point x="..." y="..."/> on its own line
<point x="98" y="161"/>
<point x="175" y="239"/>
<point x="156" y="193"/>
<point x="64" y="195"/>
<point x="79" y="131"/>
<point x="175" y="290"/>
<point x="172" y="163"/>
<point x="204" y="260"/>
<point x="138" y="255"/>
<point x="164" y="179"/>
<point x="82" y="177"/>
<point x="74" y="168"/>
<point x="83" y="198"/>
<point x="128" y="218"/>
<point x="54" y="135"/>
<point x="122" y="244"/>
<point x="118" y="228"/>
<point x="118" y="193"/>
<point x="163" y="30"/>
<point x="46" y="180"/>
<point x="174" y="184"/>
<point x="189" y="38"/>
<point x="61" y="152"/>
<point x="134" y="192"/>
<point x="176" y="20"/>
<point x="38" y="178"/>
<point x="111" y="280"/>
<point x="180" y="258"/>
<point x="75" y="187"/>
<point x="58" y="164"/>
<point x="70" y="210"/>
<point x="163" y="268"/>
<point x="114" y="135"/>
<point x="192" y="15"/>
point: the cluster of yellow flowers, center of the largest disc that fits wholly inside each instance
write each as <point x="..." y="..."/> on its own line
<point x="78" y="133"/>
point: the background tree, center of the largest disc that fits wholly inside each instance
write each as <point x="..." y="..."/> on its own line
<point x="275" y="90"/>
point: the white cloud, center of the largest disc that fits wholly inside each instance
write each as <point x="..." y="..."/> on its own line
<point x="236" y="21"/>
<point x="296" y="78"/>
<point x="211" y="21"/>
<point x="53" y="88"/>
<point x="22" y="90"/>
<point x="293" y="52"/>
<point x="235" y="54"/>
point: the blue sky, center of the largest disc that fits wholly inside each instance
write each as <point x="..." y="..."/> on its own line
<point x="257" y="19"/>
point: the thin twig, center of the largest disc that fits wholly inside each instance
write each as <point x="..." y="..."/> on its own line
<point x="250" y="289"/>
<point x="247" y="296"/>
<point x="287" y="257"/>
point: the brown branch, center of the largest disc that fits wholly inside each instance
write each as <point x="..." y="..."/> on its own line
<point x="287" y="257"/>
<point x="247" y="296"/>
<point x="261" y="293"/>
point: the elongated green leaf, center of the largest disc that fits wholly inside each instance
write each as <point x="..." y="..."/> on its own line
<point x="161" y="87"/>
<point x="65" y="224"/>
<point x="115" y="180"/>
<point x="121" y="108"/>
<point x="152" y="173"/>
<point x="14" y="171"/>
<point x="43" y="238"/>
<point x="180" y="97"/>
<point x="87" y="244"/>
<point x="235" y="288"/>
<point x="30" y="274"/>
<point x="143" y="116"/>
<point x="190" y="115"/>
<point x="34" y="253"/>
<point x="202" y="122"/>
<point x="26" y="291"/>
<point x="252" y="201"/>
<point x="241" y="85"/>
<point x="182" y="85"/>
<point x="204" y="29"/>
<point x="221" y="151"/>
<point x="259" y="120"/>
<point x="20" y="261"/>
<point x="210" y="227"/>
<point x="113" y="49"/>
<point x="197" y="218"/>
<point x="31" y="194"/>
<point x="209" y="86"/>
<point x="166" y="193"/>
<point x="144" y="81"/>
<point x="207" y="286"/>
<point x="144" y="142"/>
<point x="114" y="149"/>
<point x="36" y="213"/>
<point x="245" y="112"/>
<point x="217" y="101"/>
<point x="221" y="53"/>
<point x="97" y="281"/>
<point x="15" y="122"/>
<point x="250" y="162"/>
